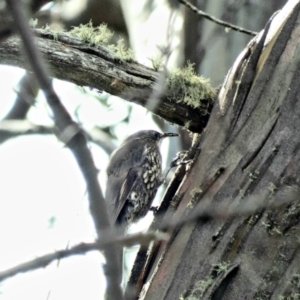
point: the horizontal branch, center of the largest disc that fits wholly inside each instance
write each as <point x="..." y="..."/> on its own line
<point x="82" y="248"/>
<point x="72" y="60"/>
<point x="15" y="128"/>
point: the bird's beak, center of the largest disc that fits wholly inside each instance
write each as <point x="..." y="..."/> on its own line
<point x="168" y="134"/>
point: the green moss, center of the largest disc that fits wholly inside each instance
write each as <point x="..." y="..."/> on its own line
<point x="157" y="63"/>
<point x="33" y="23"/>
<point x="101" y="35"/>
<point x="266" y="224"/>
<point x="199" y="290"/>
<point x="221" y="267"/>
<point x="56" y="34"/>
<point x="196" y="192"/>
<point x="47" y="28"/>
<point x="185" y="86"/>
<point x="272" y="187"/>
<point x="121" y="52"/>
<point x="294" y="293"/>
<point x="201" y="286"/>
<point x="254" y="176"/>
<point x="94" y="36"/>
<point x="241" y="193"/>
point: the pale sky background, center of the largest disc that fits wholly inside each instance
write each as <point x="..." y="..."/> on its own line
<point x="43" y="205"/>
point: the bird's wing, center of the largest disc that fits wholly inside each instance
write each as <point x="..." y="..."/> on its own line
<point x="122" y="172"/>
<point x="127" y="187"/>
<point x="124" y="158"/>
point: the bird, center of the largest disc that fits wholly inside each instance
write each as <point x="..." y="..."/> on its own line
<point x="134" y="173"/>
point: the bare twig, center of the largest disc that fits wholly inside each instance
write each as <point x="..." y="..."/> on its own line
<point x="28" y="89"/>
<point x="45" y="260"/>
<point x="82" y="248"/>
<point x="217" y="21"/>
<point x="71" y="134"/>
<point x="160" y="84"/>
<point x="15" y="128"/>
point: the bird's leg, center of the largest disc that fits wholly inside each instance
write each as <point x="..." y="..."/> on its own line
<point x="154" y="209"/>
<point x="178" y="160"/>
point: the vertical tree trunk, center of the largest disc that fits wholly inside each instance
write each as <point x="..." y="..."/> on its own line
<point x="249" y="155"/>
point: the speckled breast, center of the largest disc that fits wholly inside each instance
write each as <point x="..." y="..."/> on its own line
<point x="141" y="198"/>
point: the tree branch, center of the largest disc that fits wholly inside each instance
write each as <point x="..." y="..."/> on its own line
<point x="82" y="248"/>
<point x="15" y="128"/>
<point x="28" y="89"/>
<point x="72" y="60"/>
<point x="216" y="20"/>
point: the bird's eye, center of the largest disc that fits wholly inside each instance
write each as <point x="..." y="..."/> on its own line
<point x="156" y="135"/>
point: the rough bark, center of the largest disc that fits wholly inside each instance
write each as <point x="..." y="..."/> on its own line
<point x="72" y="60"/>
<point x="249" y="155"/>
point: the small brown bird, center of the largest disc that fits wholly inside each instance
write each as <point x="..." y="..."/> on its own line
<point x="133" y="176"/>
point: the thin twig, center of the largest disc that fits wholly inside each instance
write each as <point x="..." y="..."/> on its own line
<point x="82" y="248"/>
<point x="27" y="92"/>
<point x="217" y="21"/>
<point x="11" y="128"/>
<point x="74" y="138"/>
<point x="45" y="260"/>
<point x="160" y="83"/>
<point x="14" y="128"/>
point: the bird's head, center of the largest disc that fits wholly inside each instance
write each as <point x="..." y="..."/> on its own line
<point x="150" y="135"/>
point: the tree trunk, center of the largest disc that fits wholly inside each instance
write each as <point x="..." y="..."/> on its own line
<point x="249" y="155"/>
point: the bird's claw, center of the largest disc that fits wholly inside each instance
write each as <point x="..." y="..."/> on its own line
<point x="178" y="160"/>
<point x="154" y="209"/>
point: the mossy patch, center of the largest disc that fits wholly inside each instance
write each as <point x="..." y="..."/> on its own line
<point x="101" y="35"/>
<point x="185" y="86"/>
<point x="121" y="52"/>
<point x="199" y="289"/>
<point x="157" y="63"/>
<point x="92" y="35"/>
<point x="33" y="23"/>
